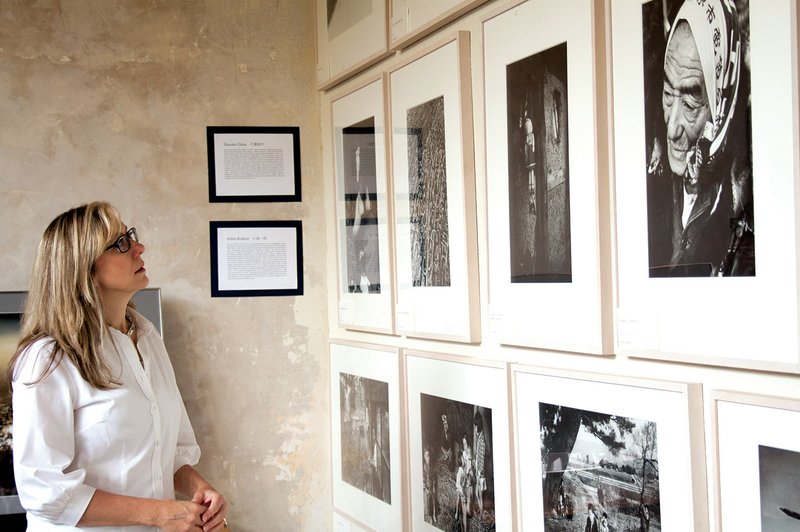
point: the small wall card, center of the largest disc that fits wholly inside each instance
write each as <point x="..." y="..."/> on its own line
<point x="260" y="258"/>
<point x="253" y="164"/>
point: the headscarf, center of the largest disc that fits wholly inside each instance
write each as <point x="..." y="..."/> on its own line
<point x="715" y="27"/>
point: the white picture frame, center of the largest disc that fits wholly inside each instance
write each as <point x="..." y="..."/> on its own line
<point x="366" y="280"/>
<point x="352" y="35"/>
<point x="458" y="387"/>
<point x="675" y="412"/>
<point x="756" y="460"/>
<point x="376" y="370"/>
<point x="550" y="276"/>
<point x="435" y="223"/>
<point x="652" y="318"/>
<point x="411" y="20"/>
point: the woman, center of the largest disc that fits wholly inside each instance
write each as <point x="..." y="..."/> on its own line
<point x="101" y="436"/>
<point x="464" y="483"/>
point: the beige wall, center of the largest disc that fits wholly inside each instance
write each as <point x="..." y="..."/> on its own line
<point x="109" y="100"/>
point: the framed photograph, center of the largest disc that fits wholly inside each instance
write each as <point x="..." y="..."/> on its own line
<point x="256" y="258"/>
<point x="594" y="451"/>
<point x="351" y="36"/>
<point x="253" y="163"/>
<point x="366" y="434"/>
<point x="545" y="168"/>
<point x="701" y="161"/>
<point x="757" y="452"/>
<point x="11" y="308"/>
<point x="414" y="19"/>
<point x="459" y="443"/>
<point x="363" y="216"/>
<point x="433" y="172"/>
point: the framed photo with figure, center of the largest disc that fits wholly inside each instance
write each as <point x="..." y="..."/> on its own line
<point x="705" y="125"/>
<point x="366" y="439"/>
<point x="433" y="171"/>
<point x="546" y="167"/>
<point x="352" y="35"/>
<point x="596" y="449"/>
<point x="757" y="461"/>
<point x="363" y="216"/>
<point x="459" y="446"/>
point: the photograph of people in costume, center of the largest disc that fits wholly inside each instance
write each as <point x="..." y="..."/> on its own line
<point x="457" y="467"/>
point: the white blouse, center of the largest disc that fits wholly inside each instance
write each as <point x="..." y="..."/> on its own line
<point x="71" y="439"/>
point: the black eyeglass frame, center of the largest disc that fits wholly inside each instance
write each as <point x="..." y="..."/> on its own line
<point x="123" y="243"/>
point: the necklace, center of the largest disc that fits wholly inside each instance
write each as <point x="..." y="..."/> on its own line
<point x="132" y="327"/>
<point x="130" y="332"/>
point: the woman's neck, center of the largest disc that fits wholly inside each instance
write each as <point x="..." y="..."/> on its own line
<point x="115" y="315"/>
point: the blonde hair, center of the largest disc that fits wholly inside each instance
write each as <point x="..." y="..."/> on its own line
<point x="63" y="303"/>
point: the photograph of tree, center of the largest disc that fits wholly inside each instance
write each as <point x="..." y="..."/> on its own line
<point x="427" y="194"/>
<point x="779" y="471"/>
<point x="458" y="466"/>
<point x="599" y="471"/>
<point x="538" y="167"/>
<point x="698" y="138"/>
<point x="361" y="208"/>
<point x="366" y="457"/>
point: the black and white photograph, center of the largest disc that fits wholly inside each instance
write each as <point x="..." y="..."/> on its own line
<point x="344" y="14"/>
<point x="365" y="448"/>
<point x="361" y="208"/>
<point x="433" y="187"/>
<point x="538" y="168"/>
<point x="9" y="336"/>
<point x="600" y="472"/>
<point x="779" y="471"/>
<point x="698" y="138"/>
<point x="545" y="176"/>
<point x="458" y="465"/>
<point x="427" y="190"/>
<point x="757" y="462"/>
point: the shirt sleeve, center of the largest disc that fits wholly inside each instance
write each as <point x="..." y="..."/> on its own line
<point x="187" y="451"/>
<point x="43" y="441"/>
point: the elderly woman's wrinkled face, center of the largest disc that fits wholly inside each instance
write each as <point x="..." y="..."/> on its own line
<point x="685" y="102"/>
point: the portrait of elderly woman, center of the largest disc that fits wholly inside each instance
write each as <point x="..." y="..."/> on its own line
<point x="698" y="138"/>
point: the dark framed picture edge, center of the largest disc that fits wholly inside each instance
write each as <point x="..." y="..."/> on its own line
<point x="213" y="197"/>
<point x="215" y="225"/>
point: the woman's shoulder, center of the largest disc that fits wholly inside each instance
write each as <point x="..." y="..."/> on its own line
<point x="35" y="359"/>
<point x="39" y="348"/>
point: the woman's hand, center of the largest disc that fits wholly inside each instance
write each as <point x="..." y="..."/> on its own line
<point x="215" y="506"/>
<point x="181" y="516"/>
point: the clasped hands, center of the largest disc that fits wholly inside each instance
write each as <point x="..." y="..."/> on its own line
<point x="206" y="511"/>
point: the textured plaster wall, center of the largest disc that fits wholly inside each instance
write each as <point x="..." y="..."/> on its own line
<point x="103" y="99"/>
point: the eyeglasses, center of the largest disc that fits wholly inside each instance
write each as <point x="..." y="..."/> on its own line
<point x="123" y="243"/>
